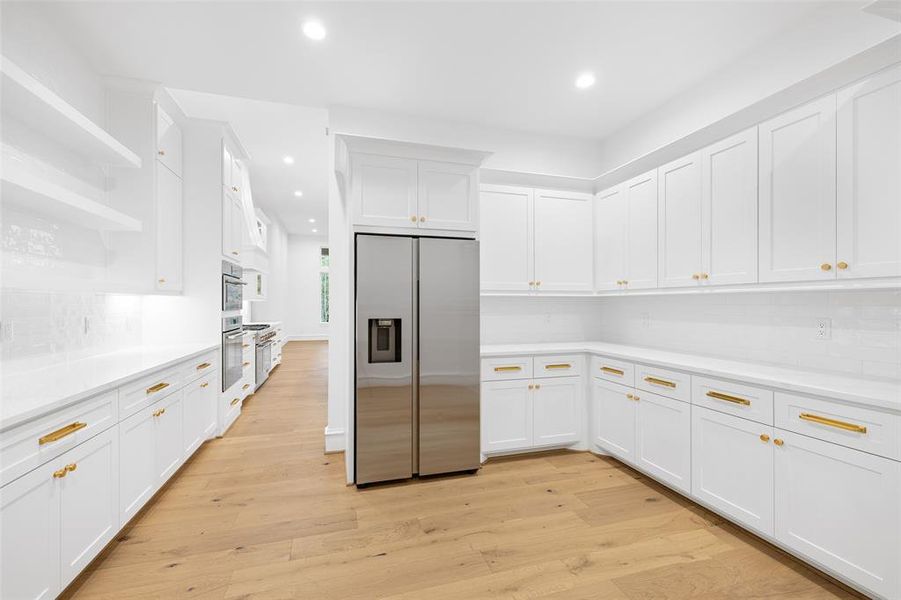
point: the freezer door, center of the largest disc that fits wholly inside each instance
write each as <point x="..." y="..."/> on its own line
<point x="448" y="355"/>
<point x="384" y="359"/>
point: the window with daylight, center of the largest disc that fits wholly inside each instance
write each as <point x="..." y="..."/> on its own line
<point x="323" y="285"/>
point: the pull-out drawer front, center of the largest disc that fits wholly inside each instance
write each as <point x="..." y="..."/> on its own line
<point x="733" y="398"/>
<point x="512" y="367"/>
<point x="30" y="445"/>
<point x="852" y="426"/>
<point x="672" y="384"/>
<point x="613" y="370"/>
<point x="199" y="366"/>
<point x="147" y="390"/>
<point x="558" y="365"/>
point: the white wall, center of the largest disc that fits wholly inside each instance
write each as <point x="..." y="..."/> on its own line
<point x="302" y="311"/>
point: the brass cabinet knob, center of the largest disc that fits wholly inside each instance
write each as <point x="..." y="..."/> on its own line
<point x="161" y="152"/>
<point x="636" y="398"/>
<point x="162" y="280"/>
<point x="413" y="218"/>
<point x="629" y="396"/>
<point x="826" y="267"/>
<point x="537" y="386"/>
<point x="531" y="386"/>
<point x="538" y="283"/>
<point x="842" y="265"/>
<point x="71" y="467"/>
<point x="235" y="252"/>
<point x="531" y="283"/>
<point x="778" y="442"/>
<point x="422" y="219"/>
<point x="764" y="437"/>
<point x="625" y="282"/>
<point x="696" y="276"/>
<point x="705" y="275"/>
<point x="234" y="188"/>
<point x="60" y="473"/>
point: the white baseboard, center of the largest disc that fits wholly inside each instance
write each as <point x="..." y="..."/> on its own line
<point x="308" y="337"/>
<point x="334" y="440"/>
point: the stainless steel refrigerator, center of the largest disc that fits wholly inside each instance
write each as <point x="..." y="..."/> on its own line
<point x="417" y="357"/>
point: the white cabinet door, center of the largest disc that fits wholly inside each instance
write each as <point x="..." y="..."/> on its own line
<point x="610" y="221"/>
<point x="797" y="194"/>
<point x="448" y="196"/>
<point x="841" y="508"/>
<point x="89" y="502"/>
<point x="663" y="439"/>
<point x="138" y="480"/>
<point x="168" y="141"/>
<point x="729" y="210"/>
<point x="168" y="438"/>
<point x="384" y="191"/>
<point x="237" y="225"/>
<point x="227" y="246"/>
<point x="641" y="253"/>
<point x="615" y="411"/>
<point x="869" y="177"/>
<point x="732" y="467"/>
<point x="506" y="415"/>
<point x="555" y="411"/>
<point x="679" y="235"/>
<point x="563" y="241"/>
<point x="506" y="255"/>
<point x="169" y="230"/>
<point x="199" y="410"/>
<point x="227" y="159"/>
<point x="29" y="513"/>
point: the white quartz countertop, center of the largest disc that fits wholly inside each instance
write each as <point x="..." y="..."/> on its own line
<point x="27" y="394"/>
<point x="877" y="393"/>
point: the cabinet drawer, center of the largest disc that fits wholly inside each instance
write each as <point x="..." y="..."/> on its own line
<point x="733" y="398"/>
<point x="135" y="396"/>
<point x="557" y="365"/>
<point x="672" y="384"/>
<point x="613" y="370"/>
<point x="199" y="366"/>
<point x="30" y="445"/>
<point x="855" y="427"/>
<point x="514" y="367"/>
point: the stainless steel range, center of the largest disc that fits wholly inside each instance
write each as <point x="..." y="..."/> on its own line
<point x="264" y="336"/>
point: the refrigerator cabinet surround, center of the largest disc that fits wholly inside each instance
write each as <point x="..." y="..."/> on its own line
<point x="417" y="357"/>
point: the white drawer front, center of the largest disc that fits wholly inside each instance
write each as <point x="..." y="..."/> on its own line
<point x="733" y="398"/>
<point x="512" y="367"/>
<point x="558" y="365"/>
<point x="147" y="390"/>
<point x="613" y="370"/>
<point x="29" y="445"/>
<point x="855" y="427"/>
<point x="672" y="384"/>
<point x="199" y="366"/>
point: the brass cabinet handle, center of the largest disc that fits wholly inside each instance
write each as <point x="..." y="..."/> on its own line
<point x="696" y="276"/>
<point x="613" y="371"/>
<point x="728" y="398"/>
<point x="205" y="384"/>
<point x="245" y="345"/>
<point x="826" y="267"/>
<point x="833" y="423"/>
<point x="61" y="432"/>
<point x="245" y="386"/>
<point x="235" y="252"/>
<point x="155" y="388"/>
<point x="161" y="152"/>
<point x="203" y="366"/>
<point x="531" y="283"/>
<point x="537" y="386"/>
<point x="422" y="219"/>
<point x="60" y="473"/>
<point x="842" y="265"/>
<point x="764" y="438"/>
<point x="705" y="275"/>
<point x="235" y="401"/>
<point x="162" y="280"/>
<point x="778" y="442"/>
<point x="538" y="283"/>
<point x="159" y="413"/>
<point x="507" y="368"/>
<point x="558" y="366"/>
<point x="245" y="364"/>
<point x="70" y="467"/>
<point x="662" y="382"/>
<point x="413" y="218"/>
<point x="531" y="386"/>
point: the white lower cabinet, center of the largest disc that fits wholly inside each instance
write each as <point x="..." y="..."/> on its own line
<point x="138" y="480"/>
<point x="732" y="467"/>
<point x="555" y="411"/>
<point x="506" y="415"/>
<point x="840" y="508"/>
<point x="663" y="439"/>
<point x="168" y="442"/>
<point x="199" y="410"/>
<point x="615" y="411"/>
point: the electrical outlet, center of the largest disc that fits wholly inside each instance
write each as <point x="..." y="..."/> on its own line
<point x="823" y="329"/>
<point x="645" y="320"/>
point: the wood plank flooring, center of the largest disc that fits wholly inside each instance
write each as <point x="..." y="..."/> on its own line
<point x="263" y="513"/>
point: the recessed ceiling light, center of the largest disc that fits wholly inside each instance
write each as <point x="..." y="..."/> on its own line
<point x="288" y="160"/>
<point x="314" y="30"/>
<point x="585" y="81"/>
<point x="312" y="220"/>
<point x="315" y="231"/>
<point x="298" y="193"/>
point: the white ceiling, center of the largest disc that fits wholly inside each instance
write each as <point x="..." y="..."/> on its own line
<point x="270" y="131"/>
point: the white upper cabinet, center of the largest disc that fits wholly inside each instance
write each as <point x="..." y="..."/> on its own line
<point x="168" y="142"/>
<point x="506" y="255"/>
<point x="611" y="215"/>
<point x="679" y="222"/>
<point x="641" y="248"/>
<point x="169" y="230"/>
<point x="384" y="190"/>
<point x="563" y="241"/>
<point x="448" y="196"/>
<point x="869" y="177"/>
<point x="797" y="194"/>
<point x="729" y="210"/>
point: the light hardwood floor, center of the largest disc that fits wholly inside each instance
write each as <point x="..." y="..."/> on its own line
<point x="263" y="513"/>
